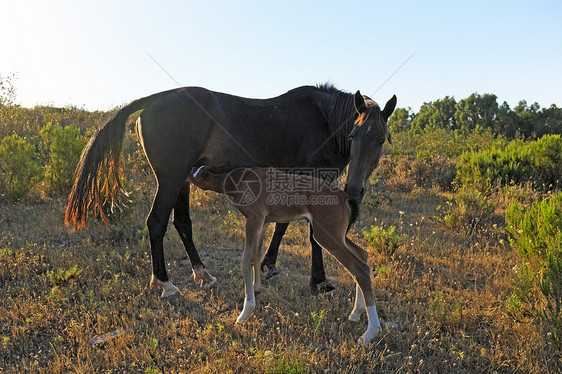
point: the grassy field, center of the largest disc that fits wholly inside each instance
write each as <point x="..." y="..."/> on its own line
<point x="446" y="289"/>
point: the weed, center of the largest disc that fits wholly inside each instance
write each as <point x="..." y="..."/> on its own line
<point x="468" y="212"/>
<point x="444" y="311"/>
<point x="317" y="319"/>
<point x="286" y="364"/>
<point x="62" y="276"/>
<point x="142" y="237"/>
<point x="6" y="253"/>
<point x="384" y="241"/>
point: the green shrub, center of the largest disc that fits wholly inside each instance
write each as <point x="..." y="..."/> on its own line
<point x="536" y="234"/>
<point x="538" y="161"/>
<point x="468" y="212"/>
<point x="19" y="169"/>
<point x="384" y="241"/>
<point x="65" y="145"/>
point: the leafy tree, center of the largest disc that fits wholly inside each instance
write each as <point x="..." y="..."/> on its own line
<point x="401" y="120"/>
<point x="528" y="118"/>
<point x="507" y="122"/>
<point x="7" y="90"/>
<point x="422" y="118"/>
<point x="476" y="111"/>
<point x="444" y="114"/>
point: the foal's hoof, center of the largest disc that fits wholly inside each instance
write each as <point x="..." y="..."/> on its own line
<point x="355" y="315"/>
<point x="322" y="288"/>
<point x="203" y="278"/>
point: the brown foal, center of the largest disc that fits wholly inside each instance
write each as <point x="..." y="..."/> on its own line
<point x="265" y="195"/>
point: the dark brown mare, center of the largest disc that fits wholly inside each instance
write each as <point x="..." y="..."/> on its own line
<point x="312" y="127"/>
<point x="262" y="199"/>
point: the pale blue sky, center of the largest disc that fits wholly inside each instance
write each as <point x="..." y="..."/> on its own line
<point x="96" y="54"/>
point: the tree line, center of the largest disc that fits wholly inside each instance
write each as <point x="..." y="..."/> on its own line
<point x="480" y="112"/>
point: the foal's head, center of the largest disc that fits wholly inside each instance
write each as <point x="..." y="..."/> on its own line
<point x="205" y="179"/>
<point x="367" y="137"/>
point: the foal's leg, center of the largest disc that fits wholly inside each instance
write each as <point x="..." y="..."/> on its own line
<point x="182" y="222"/>
<point x="157" y="223"/>
<point x="359" y="306"/>
<point x="257" y="258"/>
<point x="254" y="228"/>
<point x="335" y="243"/>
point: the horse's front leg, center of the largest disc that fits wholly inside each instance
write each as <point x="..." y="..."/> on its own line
<point x="268" y="264"/>
<point x="254" y="228"/>
<point x="182" y="223"/>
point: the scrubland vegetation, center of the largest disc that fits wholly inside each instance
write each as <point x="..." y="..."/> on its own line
<point x="462" y="223"/>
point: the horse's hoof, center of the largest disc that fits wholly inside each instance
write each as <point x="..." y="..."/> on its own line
<point x="322" y="288"/>
<point x="355" y="316"/>
<point x="167" y="294"/>
<point x="207" y="284"/>
<point x="203" y="278"/>
<point x="169" y="290"/>
<point x="270" y="273"/>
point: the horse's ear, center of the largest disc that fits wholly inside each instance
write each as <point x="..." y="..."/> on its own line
<point x="389" y="107"/>
<point x="359" y="102"/>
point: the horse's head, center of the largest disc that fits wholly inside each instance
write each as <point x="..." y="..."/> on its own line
<point x="367" y="137"/>
<point x="205" y="179"/>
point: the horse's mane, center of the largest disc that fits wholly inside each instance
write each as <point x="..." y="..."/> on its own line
<point x="340" y="113"/>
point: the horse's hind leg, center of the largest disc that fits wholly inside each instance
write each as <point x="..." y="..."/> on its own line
<point x="157" y="223"/>
<point x="182" y="223"/>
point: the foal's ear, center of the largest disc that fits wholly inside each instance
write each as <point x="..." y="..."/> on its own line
<point x="389" y="107"/>
<point x="359" y="102"/>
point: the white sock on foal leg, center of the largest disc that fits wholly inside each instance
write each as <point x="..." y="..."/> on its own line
<point x="359" y="307"/>
<point x="374" y="327"/>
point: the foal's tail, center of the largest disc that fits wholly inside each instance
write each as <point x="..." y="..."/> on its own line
<point x="98" y="174"/>
<point x="353" y="206"/>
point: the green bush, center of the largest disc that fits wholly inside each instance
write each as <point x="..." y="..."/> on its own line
<point x="19" y="169"/>
<point x="538" y="161"/>
<point x="468" y="212"/>
<point x="65" y="145"/>
<point x="536" y="234"/>
<point x="384" y="241"/>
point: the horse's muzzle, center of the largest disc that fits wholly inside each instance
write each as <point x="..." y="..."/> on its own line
<point x="355" y="192"/>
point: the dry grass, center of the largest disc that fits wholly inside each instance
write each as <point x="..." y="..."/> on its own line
<point x="446" y="291"/>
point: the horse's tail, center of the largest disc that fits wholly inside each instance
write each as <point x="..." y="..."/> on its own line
<point x="98" y="174"/>
<point x="353" y="207"/>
